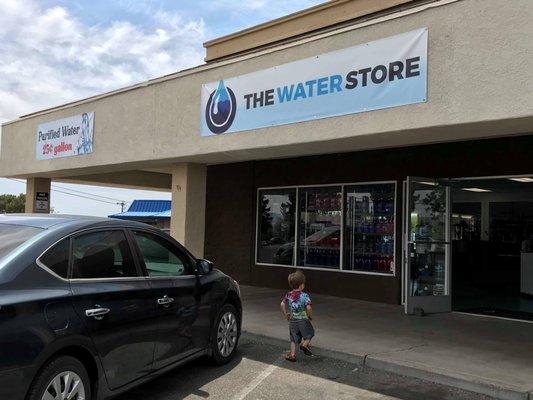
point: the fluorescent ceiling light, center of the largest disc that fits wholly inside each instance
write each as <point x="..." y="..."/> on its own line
<point x="525" y="180"/>
<point x="429" y="183"/>
<point x="462" y="216"/>
<point x="477" y="190"/>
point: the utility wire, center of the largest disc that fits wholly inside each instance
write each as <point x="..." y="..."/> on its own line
<point x="85" y="197"/>
<point x="72" y="194"/>
<point x="89" y="194"/>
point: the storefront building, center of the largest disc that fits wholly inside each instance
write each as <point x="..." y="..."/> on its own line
<point x="386" y="149"/>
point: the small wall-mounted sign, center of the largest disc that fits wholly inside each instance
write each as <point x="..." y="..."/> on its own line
<point x="42" y="202"/>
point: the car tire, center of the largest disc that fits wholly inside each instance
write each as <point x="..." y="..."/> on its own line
<point x="58" y="373"/>
<point x="225" y="335"/>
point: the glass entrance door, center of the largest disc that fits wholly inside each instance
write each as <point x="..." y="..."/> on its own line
<point x="427" y="246"/>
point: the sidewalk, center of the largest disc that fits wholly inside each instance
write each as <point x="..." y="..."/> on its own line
<point x="483" y="355"/>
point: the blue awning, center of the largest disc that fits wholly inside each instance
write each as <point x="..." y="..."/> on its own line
<point x="146" y="209"/>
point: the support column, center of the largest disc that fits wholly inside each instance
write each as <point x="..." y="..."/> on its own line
<point x="187" y="222"/>
<point x="38" y="195"/>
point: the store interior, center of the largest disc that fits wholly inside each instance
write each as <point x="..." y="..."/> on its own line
<point x="492" y="247"/>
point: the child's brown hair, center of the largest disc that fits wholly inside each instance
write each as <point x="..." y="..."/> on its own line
<point x="296" y="279"/>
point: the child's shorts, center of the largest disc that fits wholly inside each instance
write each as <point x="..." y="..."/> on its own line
<point x="301" y="329"/>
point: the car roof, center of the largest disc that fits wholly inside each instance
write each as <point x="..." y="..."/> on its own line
<point x="46" y="221"/>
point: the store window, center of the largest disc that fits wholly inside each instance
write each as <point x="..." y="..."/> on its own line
<point x="369" y="228"/>
<point x="319" y="227"/>
<point x="345" y="227"/>
<point x="276" y="230"/>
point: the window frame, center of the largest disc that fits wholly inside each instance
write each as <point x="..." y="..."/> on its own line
<point x="341" y="269"/>
<point x="294" y="259"/>
<point x="109" y="279"/>
<point x="140" y="258"/>
<point x="42" y="265"/>
<point x="298" y="239"/>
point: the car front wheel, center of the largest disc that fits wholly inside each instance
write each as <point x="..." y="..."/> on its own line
<point x="64" y="378"/>
<point x="225" y="335"/>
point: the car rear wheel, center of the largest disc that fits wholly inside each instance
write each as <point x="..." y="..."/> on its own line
<point x="225" y="335"/>
<point x="63" y="378"/>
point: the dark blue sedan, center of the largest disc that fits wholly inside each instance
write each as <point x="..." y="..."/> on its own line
<point x="90" y="307"/>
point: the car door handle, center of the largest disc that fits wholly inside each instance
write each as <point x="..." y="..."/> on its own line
<point x="97" y="313"/>
<point x="165" y="300"/>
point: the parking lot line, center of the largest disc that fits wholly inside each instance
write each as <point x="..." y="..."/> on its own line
<point x="258" y="380"/>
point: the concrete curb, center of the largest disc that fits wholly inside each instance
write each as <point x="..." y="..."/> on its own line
<point x="346" y="357"/>
<point x="470" y="384"/>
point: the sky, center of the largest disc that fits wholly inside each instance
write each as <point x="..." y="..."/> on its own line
<point x="57" y="51"/>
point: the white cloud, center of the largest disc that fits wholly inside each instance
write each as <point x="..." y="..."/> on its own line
<point x="49" y="57"/>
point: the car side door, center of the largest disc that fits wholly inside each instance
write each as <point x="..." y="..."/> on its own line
<point x="171" y="273"/>
<point x="116" y="302"/>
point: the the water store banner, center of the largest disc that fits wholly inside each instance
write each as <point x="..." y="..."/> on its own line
<point x="385" y="73"/>
<point x="65" y="137"/>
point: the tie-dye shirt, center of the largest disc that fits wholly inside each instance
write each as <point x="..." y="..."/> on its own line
<point x="296" y="302"/>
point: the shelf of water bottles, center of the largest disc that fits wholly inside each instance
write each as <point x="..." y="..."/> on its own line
<point x="325" y="257"/>
<point x="323" y="203"/>
<point x="378" y="204"/>
<point x="373" y="226"/>
<point x="371" y="263"/>
<point x="370" y="244"/>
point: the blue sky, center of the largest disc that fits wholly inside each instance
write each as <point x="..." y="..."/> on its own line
<point x="56" y="51"/>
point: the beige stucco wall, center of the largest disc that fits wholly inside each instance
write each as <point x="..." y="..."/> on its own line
<point x="479" y="85"/>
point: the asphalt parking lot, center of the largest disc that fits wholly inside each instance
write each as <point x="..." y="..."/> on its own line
<point x="260" y="372"/>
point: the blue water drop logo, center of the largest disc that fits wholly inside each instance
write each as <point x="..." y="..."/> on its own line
<point x="220" y="109"/>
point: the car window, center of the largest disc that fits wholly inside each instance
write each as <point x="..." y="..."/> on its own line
<point x="161" y="257"/>
<point x="56" y="258"/>
<point x="102" y="254"/>
<point x="12" y="236"/>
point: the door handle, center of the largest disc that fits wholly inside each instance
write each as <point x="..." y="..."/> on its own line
<point x="97" y="313"/>
<point x="165" y="300"/>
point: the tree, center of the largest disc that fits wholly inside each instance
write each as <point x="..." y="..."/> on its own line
<point x="266" y="218"/>
<point x="9" y="203"/>
<point x="288" y="210"/>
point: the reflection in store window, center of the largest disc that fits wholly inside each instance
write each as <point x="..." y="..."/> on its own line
<point x="427" y="232"/>
<point x="369" y="228"/>
<point x="428" y="213"/>
<point x="427" y="269"/>
<point x="319" y="229"/>
<point x="276" y="209"/>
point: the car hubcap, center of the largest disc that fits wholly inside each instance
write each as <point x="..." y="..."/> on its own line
<point x="65" y="386"/>
<point x="227" y="334"/>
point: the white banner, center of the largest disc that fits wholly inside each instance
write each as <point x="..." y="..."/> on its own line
<point x="65" y="137"/>
<point x="385" y="73"/>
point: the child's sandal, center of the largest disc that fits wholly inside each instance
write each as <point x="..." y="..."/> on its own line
<point x="290" y="357"/>
<point x="306" y="350"/>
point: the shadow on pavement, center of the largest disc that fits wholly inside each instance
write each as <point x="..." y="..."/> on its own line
<point x="394" y="385"/>
<point x="183" y="381"/>
<point x="196" y="379"/>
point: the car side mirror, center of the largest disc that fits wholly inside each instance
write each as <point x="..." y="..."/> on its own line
<point x="204" y="267"/>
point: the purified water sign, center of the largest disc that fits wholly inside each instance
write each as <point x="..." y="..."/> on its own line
<point x="65" y="137"/>
<point x="385" y="73"/>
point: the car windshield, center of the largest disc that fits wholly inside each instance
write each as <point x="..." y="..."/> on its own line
<point x="12" y="236"/>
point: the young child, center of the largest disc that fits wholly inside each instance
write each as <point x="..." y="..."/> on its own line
<point x="297" y="309"/>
